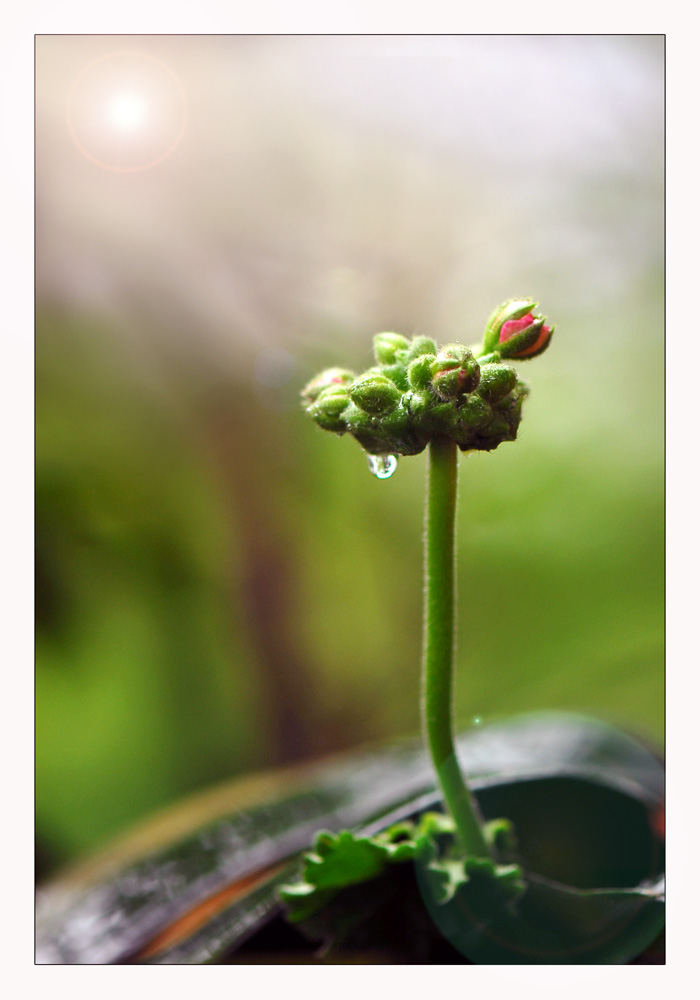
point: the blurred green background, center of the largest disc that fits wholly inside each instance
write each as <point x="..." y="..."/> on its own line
<point x="220" y="585"/>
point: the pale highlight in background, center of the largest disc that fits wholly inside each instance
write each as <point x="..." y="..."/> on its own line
<point x="126" y="111"/>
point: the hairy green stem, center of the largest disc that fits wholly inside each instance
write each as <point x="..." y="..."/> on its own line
<point x="439" y="642"/>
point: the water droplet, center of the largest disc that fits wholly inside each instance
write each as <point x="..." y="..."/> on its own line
<point x="382" y="466"/>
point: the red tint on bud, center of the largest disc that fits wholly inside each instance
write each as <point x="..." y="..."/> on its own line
<point x="327" y="379"/>
<point x="530" y="348"/>
<point x="455" y="371"/>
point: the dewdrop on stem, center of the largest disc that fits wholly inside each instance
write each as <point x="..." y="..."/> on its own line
<point x="382" y="466"/>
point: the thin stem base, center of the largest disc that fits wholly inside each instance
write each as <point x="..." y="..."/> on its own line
<point x="439" y="643"/>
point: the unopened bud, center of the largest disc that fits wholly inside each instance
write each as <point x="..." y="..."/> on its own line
<point x="441" y="418"/>
<point x="419" y="346"/>
<point x="418" y="402"/>
<point x="375" y="394"/>
<point x="386" y="346"/>
<point x="474" y="412"/>
<point x="328" y="408"/>
<point x="496" y="381"/>
<point x="397" y="373"/>
<point x="455" y="371"/>
<point x="420" y="372"/>
<point x="514" y="331"/>
<point x="524" y="338"/>
<point x="509" y="310"/>
<point x="328" y="378"/>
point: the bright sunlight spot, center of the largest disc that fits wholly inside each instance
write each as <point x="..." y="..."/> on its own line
<point x="127" y="111"/>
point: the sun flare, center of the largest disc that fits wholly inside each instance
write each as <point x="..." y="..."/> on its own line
<point x="127" y="111"/>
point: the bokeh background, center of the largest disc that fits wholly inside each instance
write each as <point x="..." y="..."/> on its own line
<point x="223" y="587"/>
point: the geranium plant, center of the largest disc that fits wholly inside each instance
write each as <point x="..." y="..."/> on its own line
<point x="447" y="400"/>
<point x="536" y="839"/>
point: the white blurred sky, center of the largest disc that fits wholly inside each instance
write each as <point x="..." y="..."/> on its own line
<point x="335" y="182"/>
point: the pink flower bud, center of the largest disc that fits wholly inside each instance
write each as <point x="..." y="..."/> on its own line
<point x="529" y="334"/>
<point x="329" y="378"/>
<point x="514" y="330"/>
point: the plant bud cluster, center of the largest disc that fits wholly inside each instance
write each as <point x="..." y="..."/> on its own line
<point x="416" y="392"/>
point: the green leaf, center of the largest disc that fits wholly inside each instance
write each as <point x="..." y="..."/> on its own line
<point x="566" y="781"/>
<point x="343" y="860"/>
<point x="349" y="859"/>
<point x="346" y="859"/>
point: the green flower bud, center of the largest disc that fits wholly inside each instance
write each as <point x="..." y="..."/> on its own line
<point x="496" y="381"/>
<point x="397" y="373"/>
<point x="511" y="405"/>
<point x="370" y="431"/>
<point x="329" y="407"/>
<point x="330" y="377"/>
<point x="442" y="418"/>
<point x="375" y="394"/>
<point x="404" y="437"/>
<point x="418" y="403"/>
<point x="420" y="372"/>
<point x="512" y="309"/>
<point x="455" y="371"/>
<point x="386" y="346"/>
<point x="356" y="419"/>
<point x="474" y="412"/>
<point x="418" y="346"/>
<point x="506" y="419"/>
<point x="378" y="435"/>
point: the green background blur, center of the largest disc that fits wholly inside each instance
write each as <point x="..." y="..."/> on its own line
<point x="220" y="585"/>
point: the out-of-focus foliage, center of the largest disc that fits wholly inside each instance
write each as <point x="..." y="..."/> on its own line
<point x="222" y="586"/>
